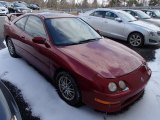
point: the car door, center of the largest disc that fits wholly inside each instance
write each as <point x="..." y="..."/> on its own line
<point x="111" y="27"/>
<point x="16" y="35"/>
<point x="38" y="54"/>
<point x="94" y="19"/>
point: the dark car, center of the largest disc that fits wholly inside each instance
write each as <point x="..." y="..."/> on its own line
<point x="84" y="67"/>
<point x="17" y="7"/>
<point x="152" y="13"/>
<point x="8" y="107"/>
<point x="33" y="6"/>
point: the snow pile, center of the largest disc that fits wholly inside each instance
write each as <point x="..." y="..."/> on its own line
<point x="45" y="102"/>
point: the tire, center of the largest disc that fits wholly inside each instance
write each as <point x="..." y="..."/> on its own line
<point x="136" y="39"/>
<point x="11" y="48"/>
<point x="68" y="89"/>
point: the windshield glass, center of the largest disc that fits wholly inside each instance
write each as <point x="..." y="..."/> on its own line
<point x="69" y="31"/>
<point x="157" y="12"/>
<point x="19" y="5"/>
<point x="1" y="5"/>
<point x="126" y="16"/>
<point x="142" y="15"/>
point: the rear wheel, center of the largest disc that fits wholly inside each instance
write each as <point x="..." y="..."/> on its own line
<point x="11" y="48"/>
<point x="136" y="39"/>
<point x="68" y="89"/>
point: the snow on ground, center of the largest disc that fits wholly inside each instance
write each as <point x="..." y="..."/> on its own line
<point x="46" y="104"/>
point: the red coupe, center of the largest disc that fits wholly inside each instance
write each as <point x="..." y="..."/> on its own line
<point x="85" y="67"/>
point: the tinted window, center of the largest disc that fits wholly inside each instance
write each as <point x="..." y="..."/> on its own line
<point x="34" y="27"/>
<point x="21" y="23"/>
<point x="67" y="31"/>
<point x="110" y="15"/>
<point x="5" y="113"/>
<point x="98" y="13"/>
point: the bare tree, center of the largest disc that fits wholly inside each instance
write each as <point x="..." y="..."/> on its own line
<point x="85" y="4"/>
<point x="95" y="4"/>
<point x="52" y="4"/>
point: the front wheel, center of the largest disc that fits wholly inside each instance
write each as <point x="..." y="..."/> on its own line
<point x="68" y="89"/>
<point x="11" y="48"/>
<point x="136" y="39"/>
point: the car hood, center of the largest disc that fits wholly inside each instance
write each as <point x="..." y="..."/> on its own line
<point x="146" y="25"/>
<point x="154" y="21"/>
<point x="2" y="8"/>
<point x="106" y="57"/>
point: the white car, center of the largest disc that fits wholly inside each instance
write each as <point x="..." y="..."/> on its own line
<point x="123" y="26"/>
<point x="3" y="10"/>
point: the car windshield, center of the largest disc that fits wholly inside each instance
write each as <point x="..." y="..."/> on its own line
<point x="1" y="5"/>
<point x="142" y="15"/>
<point x="157" y="12"/>
<point x="70" y="31"/>
<point x="19" y="5"/>
<point x="126" y="16"/>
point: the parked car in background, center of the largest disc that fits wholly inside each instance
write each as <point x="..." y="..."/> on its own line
<point x="121" y="25"/>
<point x="33" y="6"/>
<point x="8" y="107"/>
<point x="3" y="10"/>
<point x="82" y="65"/>
<point x="19" y="8"/>
<point x="143" y="16"/>
<point x="152" y="13"/>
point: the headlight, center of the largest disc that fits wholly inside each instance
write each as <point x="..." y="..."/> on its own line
<point x="152" y="33"/>
<point x="122" y="85"/>
<point x="112" y="87"/>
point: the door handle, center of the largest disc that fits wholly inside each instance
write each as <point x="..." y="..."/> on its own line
<point x="22" y="37"/>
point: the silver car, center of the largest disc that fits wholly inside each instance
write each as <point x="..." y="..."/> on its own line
<point x="121" y="25"/>
<point x="143" y="16"/>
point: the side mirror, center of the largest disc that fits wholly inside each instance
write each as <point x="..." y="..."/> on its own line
<point x="39" y="40"/>
<point x="136" y="17"/>
<point x="97" y="31"/>
<point x="118" y="19"/>
<point x="153" y="15"/>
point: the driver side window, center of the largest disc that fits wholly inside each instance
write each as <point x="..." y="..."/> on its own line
<point x="34" y="27"/>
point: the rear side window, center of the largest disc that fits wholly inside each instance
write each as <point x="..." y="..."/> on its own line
<point x="34" y="27"/>
<point x="98" y="14"/>
<point x="21" y="22"/>
<point x="133" y="13"/>
<point x="110" y="15"/>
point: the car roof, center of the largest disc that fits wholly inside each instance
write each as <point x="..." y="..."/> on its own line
<point x="46" y="15"/>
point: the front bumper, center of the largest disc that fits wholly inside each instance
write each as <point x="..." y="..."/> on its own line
<point x="3" y="12"/>
<point x="117" y="101"/>
<point x="153" y="40"/>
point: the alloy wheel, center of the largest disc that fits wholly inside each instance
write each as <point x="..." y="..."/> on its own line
<point x="66" y="88"/>
<point x="135" y="40"/>
<point x="10" y="47"/>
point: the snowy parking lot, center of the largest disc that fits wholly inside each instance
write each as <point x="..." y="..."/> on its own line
<point x="45" y="103"/>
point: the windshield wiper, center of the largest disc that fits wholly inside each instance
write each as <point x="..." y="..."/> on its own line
<point x="132" y="20"/>
<point x="89" y="40"/>
<point x="146" y="18"/>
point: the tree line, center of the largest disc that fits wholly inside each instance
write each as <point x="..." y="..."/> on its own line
<point x="66" y="4"/>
